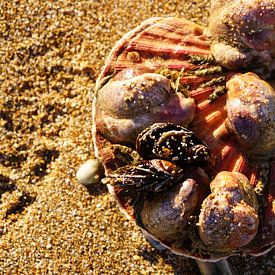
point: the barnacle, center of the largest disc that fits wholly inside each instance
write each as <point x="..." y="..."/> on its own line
<point x="166" y="215"/>
<point x="251" y="117"/>
<point x="125" y="107"/>
<point x="229" y="215"/>
<point x="242" y="33"/>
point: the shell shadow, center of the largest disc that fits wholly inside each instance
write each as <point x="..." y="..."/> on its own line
<point x="180" y="264"/>
<point x="97" y="189"/>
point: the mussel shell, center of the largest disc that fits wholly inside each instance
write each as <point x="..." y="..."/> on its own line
<point x="180" y="46"/>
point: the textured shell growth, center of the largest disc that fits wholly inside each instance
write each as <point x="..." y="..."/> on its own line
<point x="243" y="32"/>
<point x="231" y="205"/>
<point x="126" y="106"/>
<point x="250" y="110"/>
<point x="172" y="142"/>
<point x="170" y="127"/>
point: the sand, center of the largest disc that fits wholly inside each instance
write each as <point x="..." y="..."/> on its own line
<point x="51" y="53"/>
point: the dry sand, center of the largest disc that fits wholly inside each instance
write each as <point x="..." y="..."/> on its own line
<point x="51" y="53"/>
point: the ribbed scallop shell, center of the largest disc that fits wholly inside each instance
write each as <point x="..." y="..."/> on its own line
<point x="169" y="45"/>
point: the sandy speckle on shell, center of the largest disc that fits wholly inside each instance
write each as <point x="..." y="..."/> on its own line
<point x="51" y="54"/>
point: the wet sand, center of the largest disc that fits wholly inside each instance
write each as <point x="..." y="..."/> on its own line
<point x="50" y="56"/>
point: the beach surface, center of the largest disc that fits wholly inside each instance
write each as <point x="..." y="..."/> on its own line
<point x="51" y="53"/>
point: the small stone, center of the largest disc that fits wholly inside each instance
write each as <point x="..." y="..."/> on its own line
<point x="90" y="172"/>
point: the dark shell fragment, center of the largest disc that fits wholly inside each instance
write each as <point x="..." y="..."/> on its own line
<point x="174" y="143"/>
<point x="149" y="175"/>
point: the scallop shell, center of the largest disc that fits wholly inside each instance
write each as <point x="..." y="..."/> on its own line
<point x="179" y="49"/>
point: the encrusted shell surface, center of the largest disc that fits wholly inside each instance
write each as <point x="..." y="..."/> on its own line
<point x="243" y="33"/>
<point x="229" y="215"/>
<point x="179" y="50"/>
<point x="125" y="107"/>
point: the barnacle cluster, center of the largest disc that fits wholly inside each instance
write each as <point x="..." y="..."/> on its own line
<point x="202" y="134"/>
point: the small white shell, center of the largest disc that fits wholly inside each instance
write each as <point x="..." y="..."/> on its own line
<point x="90" y="172"/>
